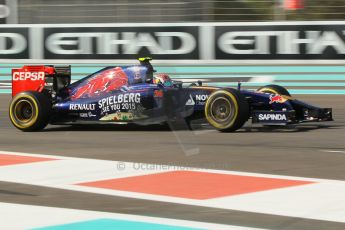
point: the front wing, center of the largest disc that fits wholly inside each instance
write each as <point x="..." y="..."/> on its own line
<point x="291" y="117"/>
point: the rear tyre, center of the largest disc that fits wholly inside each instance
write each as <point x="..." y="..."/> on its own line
<point x="274" y="89"/>
<point x="226" y="110"/>
<point x="30" y="111"/>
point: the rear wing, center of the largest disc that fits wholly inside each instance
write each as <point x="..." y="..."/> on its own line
<point x="39" y="77"/>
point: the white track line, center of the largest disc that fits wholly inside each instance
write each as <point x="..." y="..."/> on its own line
<point x="332" y="151"/>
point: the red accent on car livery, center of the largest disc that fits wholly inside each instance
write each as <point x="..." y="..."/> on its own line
<point x="275" y="98"/>
<point x="158" y="93"/>
<point x="28" y="78"/>
<point x="104" y="82"/>
<point x="23" y="76"/>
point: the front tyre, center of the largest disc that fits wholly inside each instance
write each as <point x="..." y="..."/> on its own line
<point x="274" y="89"/>
<point x="30" y="111"/>
<point x="226" y="110"/>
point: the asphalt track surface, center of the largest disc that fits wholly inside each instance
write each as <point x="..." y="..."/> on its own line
<point x="308" y="150"/>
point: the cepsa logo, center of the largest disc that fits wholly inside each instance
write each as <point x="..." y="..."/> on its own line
<point x="23" y="76"/>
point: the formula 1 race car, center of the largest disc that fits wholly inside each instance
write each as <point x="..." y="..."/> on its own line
<point x="44" y="95"/>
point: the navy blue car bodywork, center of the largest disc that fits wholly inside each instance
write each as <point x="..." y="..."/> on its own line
<point x="95" y="99"/>
<point x="43" y="95"/>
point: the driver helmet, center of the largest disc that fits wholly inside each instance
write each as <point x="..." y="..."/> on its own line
<point x="163" y="79"/>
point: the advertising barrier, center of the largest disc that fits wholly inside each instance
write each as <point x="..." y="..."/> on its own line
<point x="306" y="57"/>
<point x="180" y="41"/>
<point x="8" y="11"/>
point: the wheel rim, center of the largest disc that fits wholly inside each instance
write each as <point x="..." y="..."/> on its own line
<point x="24" y="111"/>
<point x="221" y="110"/>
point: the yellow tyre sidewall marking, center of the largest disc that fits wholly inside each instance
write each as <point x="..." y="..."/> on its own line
<point x="205" y="87"/>
<point x="269" y="90"/>
<point x="211" y="121"/>
<point x="33" y="121"/>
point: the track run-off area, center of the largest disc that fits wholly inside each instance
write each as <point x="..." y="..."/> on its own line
<point x="124" y="177"/>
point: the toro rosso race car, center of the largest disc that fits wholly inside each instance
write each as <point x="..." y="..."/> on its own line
<point x="43" y="95"/>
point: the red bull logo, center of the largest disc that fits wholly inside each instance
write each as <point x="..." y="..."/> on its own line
<point x="275" y="98"/>
<point x="104" y="82"/>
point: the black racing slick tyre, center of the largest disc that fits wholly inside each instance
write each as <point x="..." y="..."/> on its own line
<point x="30" y="111"/>
<point x="274" y="89"/>
<point x="226" y="110"/>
